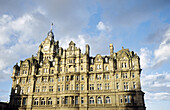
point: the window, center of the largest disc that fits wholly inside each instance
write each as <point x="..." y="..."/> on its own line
<point x="99" y="86"/>
<point x="106" y="76"/>
<point x="51" y="79"/>
<point x="91" y="86"/>
<point x="78" y="78"/>
<point x="82" y="100"/>
<point x="133" y="75"/>
<point x="61" y="69"/>
<point x="81" y="67"/>
<point x="124" y="75"/>
<point x="36" y="101"/>
<point x="117" y="85"/>
<point x="49" y="101"/>
<point x="37" y="89"/>
<point x="24" y="101"/>
<point x="134" y="85"/>
<point x="76" y="99"/>
<point x="82" y="87"/>
<point x="58" y="87"/>
<point x="91" y="68"/>
<point x="99" y="66"/>
<point x="121" y="101"/>
<point x="38" y="80"/>
<point x="72" y="87"/>
<point x="44" y="79"/>
<point x="42" y="101"/>
<point x="67" y="87"/>
<point x="107" y="86"/>
<point x="17" y="81"/>
<point x="125" y="65"/>
<point x="45" y="70"/>
<point x="62" y="87"/>
<point x="16" y="90"/>
<point x="125" y="85"/>
<point x="91" y="100"/>
<point x="58" y="100"/>
<point x="117" y="76"/>
<point x="106" y="59"/>
<point x="29" y="80"/>
<point x="62" y="78"/>
<point x="50" y="88"/>
<point x="23" y="80"/>
<point x="122" y="65"/>
<point x="75" y="69"/>
<point x="43" y="88"/>
<point x="53" y="63"/>
<point x="72" y="77"/>
<point x="107" y="100"/>
<point x="52" y="72"/>
<point x="77" y="86"/>
<point x="99" y="100"/>
<point x="81" y="60"/>
<point x="128" y="99"/>
<point x="91" y="77"/>
<point x="91" y="61"/>
<point x="99" y="77"/>
<point x="66" y="99"/>
<point x="82" y="77"/>
<point x="28" y="90"/>
<point x="106" y="68"/>
<point x="22" y="90"/>
<point x="59" y="79"/>
<point x="67" y="78"/>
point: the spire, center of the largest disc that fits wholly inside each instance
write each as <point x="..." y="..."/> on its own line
<point x="50" y="34"/>
<point x="51" y="26"/>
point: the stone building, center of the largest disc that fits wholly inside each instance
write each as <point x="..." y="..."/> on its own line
<point x="66" y="79"/>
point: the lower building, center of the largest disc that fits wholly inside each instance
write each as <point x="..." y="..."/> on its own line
<point x="66" y="79"/>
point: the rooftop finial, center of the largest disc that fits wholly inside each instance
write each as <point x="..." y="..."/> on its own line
<point x="51" y="26"/>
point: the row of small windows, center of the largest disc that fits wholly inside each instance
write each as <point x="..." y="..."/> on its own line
<point x="67" y="87"/>
<point x="125" y="75"/>
<point x="106" y="60"/>
<point x="69" y="78"/>
<point x="99" y="100"/>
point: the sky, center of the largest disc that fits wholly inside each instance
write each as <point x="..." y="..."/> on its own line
<point x="142" y="26"/>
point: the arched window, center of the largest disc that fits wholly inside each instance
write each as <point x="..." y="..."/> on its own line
<point x="91" y="101"/>
<point x="52" y="72"/>
<point x="99" y="100"/>
<point x="49" y="101"/>
<point x="36" y="101"/>
<point x="42" y="101"/>
<point x="107" y="100"/>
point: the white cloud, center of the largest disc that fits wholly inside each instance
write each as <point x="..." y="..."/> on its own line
<point x="19" y="38"/>
<point x="145" y="57"/>
<point x="156" y="86"/>
<point x="101" y="26"/>
<point x="161" y="54"/>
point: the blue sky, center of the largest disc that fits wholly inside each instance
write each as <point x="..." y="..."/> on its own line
<point x="140" y="25"/>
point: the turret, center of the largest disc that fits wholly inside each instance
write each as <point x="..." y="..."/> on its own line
<point x="111" y="48"/>
<point x="87" y="49"/>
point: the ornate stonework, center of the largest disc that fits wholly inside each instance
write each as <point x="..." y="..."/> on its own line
<point x="66" y="79"/>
